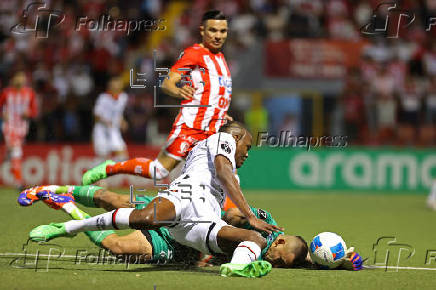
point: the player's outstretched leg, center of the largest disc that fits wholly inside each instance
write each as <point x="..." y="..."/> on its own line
<point x="46" y="233"/>
<point x="143" y="167"/>
<point x="159" y="209"/>
<point x="95" y="174"/>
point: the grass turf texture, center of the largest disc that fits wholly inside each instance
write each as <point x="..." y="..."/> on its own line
<point x="360" y="218"/>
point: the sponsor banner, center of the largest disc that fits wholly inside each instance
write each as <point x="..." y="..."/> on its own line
<point x="351" y="169"/>
<point x="311" y="58"/>
<point x="65" y="164"/>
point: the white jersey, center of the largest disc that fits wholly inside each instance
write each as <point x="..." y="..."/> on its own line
<point x="111" y="109"/>
<point x="200" y="163"/>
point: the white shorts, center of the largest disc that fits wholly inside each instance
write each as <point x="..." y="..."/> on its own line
<point x="198" y="216"/>
<point x="107" y="140"/>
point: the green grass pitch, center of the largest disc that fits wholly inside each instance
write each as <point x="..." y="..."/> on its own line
<point x="360" y="218"/>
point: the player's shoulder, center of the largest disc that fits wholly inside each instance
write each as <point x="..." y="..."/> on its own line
<point x="223" y="141"/>
<point x="192" y="51"/>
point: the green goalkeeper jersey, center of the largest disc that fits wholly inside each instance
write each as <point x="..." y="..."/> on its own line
<point x="266" y="217"/>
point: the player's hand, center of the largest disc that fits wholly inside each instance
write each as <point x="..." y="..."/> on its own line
<point x="228" y="118"/>
<point x="260" y="225"/>
<point x="352" y="261"/>
<point x="186" y="92"/>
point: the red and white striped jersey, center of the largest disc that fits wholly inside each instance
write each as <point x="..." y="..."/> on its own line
<point x="16" y="103"/>
<point x="211" y="77"/>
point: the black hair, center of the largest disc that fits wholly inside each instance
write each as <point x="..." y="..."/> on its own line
<point x="230" y="125"/>
<point x="213" y="14"/>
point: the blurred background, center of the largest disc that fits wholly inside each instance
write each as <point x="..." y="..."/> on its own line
<point x="300" y="65"/>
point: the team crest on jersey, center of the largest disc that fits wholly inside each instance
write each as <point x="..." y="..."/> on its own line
<point x="262" y="214"/>
<point x="225" y="146"/>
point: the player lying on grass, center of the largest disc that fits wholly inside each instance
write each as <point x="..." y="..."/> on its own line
<point x="191" y="207"/>
<point x="156" y="246"/>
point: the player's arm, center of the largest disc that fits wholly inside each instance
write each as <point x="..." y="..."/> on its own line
<point x="224" y="173"/>
<point x="169" y="87"/>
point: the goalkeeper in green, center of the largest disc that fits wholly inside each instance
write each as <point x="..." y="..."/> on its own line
<point x="155" y="246"/>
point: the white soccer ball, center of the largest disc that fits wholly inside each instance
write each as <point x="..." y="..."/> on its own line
<point x="327" y="249"/>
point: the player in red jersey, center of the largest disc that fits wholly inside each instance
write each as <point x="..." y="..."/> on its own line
<point x="18" y="105"/>
<point x="205" y="102"/>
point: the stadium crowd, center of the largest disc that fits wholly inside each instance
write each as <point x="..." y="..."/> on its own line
<point x="390" y="98"/>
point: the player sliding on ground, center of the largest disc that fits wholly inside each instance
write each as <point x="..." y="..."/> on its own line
<point x="191" y="207"/>
<point x="157" y="246"/>
<point x="206" y="100"/>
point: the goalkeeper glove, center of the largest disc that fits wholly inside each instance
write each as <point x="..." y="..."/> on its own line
<point x="352" y="261"/>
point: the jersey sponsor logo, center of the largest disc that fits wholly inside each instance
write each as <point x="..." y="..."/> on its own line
<point x="262" y="214"/>
<point x="225" y="146"/>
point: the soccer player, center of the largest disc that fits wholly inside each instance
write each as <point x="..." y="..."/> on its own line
<point x="157" y="245"/>
<point x="191" y="207"/>
<point x="109" y="121"/>
<point x="18" y="103"/>
<point x="205" y="90"/>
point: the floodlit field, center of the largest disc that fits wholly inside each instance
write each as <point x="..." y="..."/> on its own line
<point x="360" y="218"/>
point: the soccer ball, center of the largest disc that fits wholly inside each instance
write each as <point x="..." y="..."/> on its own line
<point x="327" y="249"/>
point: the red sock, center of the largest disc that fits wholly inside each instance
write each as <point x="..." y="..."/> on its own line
<point x="136" y="166"/>
<point x="16" y="169"/>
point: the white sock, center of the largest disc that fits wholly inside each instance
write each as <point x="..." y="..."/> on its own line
<point x="115" y="220"/>
<point x="245" y="253"/>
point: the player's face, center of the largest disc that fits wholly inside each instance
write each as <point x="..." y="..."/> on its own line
<point x="19" y="80"/>
<point x="242" y="148"/>
<point x="115" y="85"/>
<point x="278" y="255"/>
<point x="214" y="33"/>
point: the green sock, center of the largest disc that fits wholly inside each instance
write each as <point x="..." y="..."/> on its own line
<point x="85" y="194"/>
<point x="95" y="236"/>
<point x="98" y="236"/>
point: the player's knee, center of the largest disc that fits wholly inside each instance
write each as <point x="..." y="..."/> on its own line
<point x="142" y="219"/>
